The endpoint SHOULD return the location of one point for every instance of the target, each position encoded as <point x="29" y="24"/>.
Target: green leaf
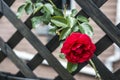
<point x="20" y="10"/>
<point x="71" y="21"/>
<point x="37" y="6"/>
<point x="82" y="18"/>
<point x="65" y="32"/>
<point x="28" y="1"/>
<point x="29" y="8"/>
<point x="74" y="12"/>
<point x="59" y="21"/>
<point x="36" y="21"/>
<point x="53" y="30"/>
<point x="46" y="18"/>
<point x="49" y="8"/>
<point x="58" y="12"/>
<point x="71" y="67"/>
<point x="62" y="56"/>
<point x="86" y="28"/>
<point x="75" y="28"/>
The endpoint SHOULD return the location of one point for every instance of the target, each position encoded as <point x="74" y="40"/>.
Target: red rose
<point x="78" y="48"/>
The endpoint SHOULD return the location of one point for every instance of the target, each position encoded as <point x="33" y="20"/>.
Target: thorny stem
<point x="97" y="74"/>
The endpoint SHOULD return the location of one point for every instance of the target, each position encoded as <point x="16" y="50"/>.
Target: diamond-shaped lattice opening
<point x="105" y="57"/>
<point x="98" y="32"/>
<point x="42" y="33"/>
<point x="25" y="49"/>
<point x="107" y="53"/>
<point x="84" y="77"/>
<point x="6" y="29"/>
<point x="109" y="9"/>
<point x="45" y="72"/>
<point x="8" y="66"/>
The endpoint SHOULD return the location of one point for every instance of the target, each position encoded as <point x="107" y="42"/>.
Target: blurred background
<point x="110" y="57"/>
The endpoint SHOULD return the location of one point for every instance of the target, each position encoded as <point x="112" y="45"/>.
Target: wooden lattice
<point x="90" y="8"/>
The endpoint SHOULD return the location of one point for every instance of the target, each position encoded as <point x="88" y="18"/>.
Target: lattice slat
<point x="9" y="3"/>
<point x="18" y="62"/>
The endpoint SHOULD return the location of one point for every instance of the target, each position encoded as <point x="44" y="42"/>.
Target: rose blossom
<point x="78" y="48"/>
